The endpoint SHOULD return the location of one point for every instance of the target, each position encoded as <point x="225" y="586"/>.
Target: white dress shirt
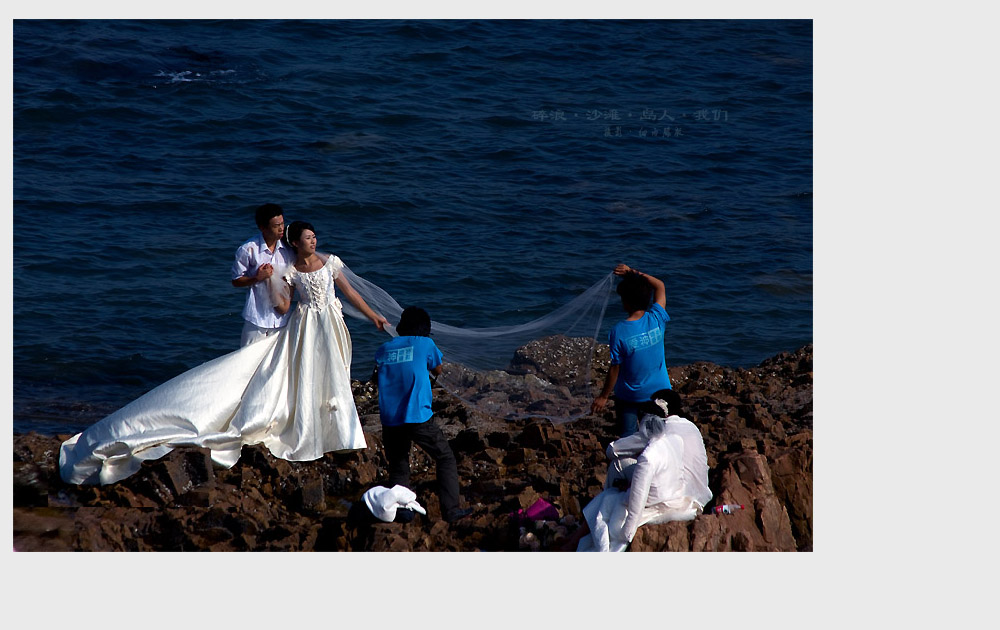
<point x="259" y="310"/>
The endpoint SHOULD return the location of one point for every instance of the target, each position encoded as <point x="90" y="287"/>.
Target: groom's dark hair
<point x="414" y="322"/>
<point x="265" y="213"/>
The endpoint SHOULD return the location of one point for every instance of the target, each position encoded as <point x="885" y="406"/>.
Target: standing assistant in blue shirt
<point x="638" y="367"/>
<point x="404" y="366"/>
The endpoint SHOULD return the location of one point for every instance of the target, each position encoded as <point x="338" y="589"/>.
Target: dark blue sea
<point x="489" y="171"/>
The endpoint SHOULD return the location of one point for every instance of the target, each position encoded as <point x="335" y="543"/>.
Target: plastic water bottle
<point x="728" y="508"/>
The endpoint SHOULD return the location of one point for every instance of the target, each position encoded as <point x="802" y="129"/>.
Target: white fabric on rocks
<point x="383" y="502"/>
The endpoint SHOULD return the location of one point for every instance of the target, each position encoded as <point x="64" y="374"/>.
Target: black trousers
<point x="428" y="436"/>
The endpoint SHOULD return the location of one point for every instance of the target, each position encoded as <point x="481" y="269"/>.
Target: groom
<point x="255" y="262"/>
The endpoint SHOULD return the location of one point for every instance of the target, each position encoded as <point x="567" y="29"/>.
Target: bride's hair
<point x="671" y="398"/>
<point x="294" y="232"/>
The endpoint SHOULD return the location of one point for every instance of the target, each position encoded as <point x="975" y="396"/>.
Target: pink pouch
<point x="540" y="510"/>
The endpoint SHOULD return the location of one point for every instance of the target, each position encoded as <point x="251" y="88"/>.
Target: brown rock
<point x="468" y="441"/>
<point x="41" y="529"/>
<point x="498" y="440"/>
<point x="673" y="536"/>
<point x="756" y="424"/>
<point x="791" y="471"/>
<point x="311" y="495"/>
<point x="527" y="497"/>
<point x="535" y="435"/>
<point x="569" y="502"/>
<point x="746" y="480"/>
<point x="183" y="468"/>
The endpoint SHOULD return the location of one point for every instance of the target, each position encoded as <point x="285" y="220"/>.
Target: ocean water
<point x="489" y="171"/>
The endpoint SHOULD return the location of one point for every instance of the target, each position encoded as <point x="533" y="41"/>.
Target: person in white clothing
<point x="656" y="475"/>
<point x="257" y="260"/>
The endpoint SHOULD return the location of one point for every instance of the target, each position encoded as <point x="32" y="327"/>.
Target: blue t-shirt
<point x="404" y="384"/>
<point x="638" y="348"/>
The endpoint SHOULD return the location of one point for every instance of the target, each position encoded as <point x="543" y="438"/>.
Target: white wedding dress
<point x="290" y="391"/>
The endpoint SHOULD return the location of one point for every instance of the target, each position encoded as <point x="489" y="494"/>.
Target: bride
<point x="290" y="391"/>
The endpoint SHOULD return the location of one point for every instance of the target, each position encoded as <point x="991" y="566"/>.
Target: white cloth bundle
<point x="383" y="502"/>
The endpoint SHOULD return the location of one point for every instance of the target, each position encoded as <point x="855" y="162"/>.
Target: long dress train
<point x="290" y="391"/>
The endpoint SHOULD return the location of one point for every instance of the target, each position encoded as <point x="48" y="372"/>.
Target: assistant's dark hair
<point x="673" y="400"/>
<point x="294" y="232"/>
<point x="414" y="322"/>
<point x="636" y="292"/>
<point x="265" y="213"/>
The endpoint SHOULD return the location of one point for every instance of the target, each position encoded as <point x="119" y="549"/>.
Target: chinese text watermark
<point x="647" y="123"/>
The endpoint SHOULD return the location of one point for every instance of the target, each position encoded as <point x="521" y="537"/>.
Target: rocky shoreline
<point x="757" y="425"/>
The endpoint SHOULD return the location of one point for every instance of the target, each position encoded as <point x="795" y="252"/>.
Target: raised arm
<point x="345" y="287"/>
<point x="659" y="290"/>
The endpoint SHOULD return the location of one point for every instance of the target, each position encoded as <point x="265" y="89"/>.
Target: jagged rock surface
<point x="757" y="425"/>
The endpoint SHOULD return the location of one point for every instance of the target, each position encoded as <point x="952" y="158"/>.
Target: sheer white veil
<point x="277" y="286"/>
<point x="539" y="369"/>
